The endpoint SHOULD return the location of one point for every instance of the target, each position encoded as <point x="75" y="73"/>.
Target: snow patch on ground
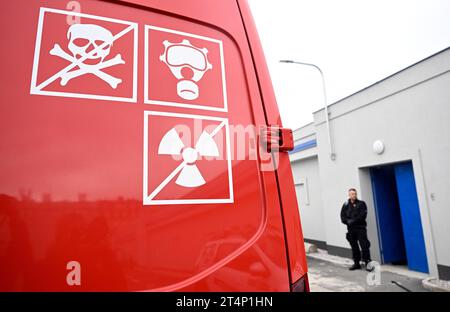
<point x="316" y="279"/>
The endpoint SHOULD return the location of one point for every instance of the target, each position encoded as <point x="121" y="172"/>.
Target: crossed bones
<point x="86" y="68"/>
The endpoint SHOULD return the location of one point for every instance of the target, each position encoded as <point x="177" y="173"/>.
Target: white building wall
<point x="307" y="186"/>
<point x="410" y="113"/>
<point x="305" y="171"/>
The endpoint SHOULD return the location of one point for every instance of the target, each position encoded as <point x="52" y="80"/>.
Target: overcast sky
<point x="354" y="42"/>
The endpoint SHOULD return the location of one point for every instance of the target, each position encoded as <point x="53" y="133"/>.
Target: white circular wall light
<point x="378" y="147"/>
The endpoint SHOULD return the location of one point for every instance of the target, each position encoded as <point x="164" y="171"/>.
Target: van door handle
<point x="278" y="139"/>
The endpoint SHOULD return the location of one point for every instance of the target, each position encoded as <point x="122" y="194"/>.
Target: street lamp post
<point x="330" y="143"/>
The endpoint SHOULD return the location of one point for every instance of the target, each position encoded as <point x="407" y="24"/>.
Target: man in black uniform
<point x="353" y="214"/>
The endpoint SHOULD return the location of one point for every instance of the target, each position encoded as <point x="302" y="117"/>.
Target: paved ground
<point x="325" y="276"/>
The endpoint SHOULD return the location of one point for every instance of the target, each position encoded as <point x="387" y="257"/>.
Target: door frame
<point x="415" y="156"/>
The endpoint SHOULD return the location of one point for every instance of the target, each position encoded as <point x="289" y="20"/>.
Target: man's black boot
<point x="355" y="266"/>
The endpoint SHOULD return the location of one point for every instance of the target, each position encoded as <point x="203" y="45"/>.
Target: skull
<point x="83" y="38"/>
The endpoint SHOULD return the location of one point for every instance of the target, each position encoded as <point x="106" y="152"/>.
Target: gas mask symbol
<point x="188" y="64"/>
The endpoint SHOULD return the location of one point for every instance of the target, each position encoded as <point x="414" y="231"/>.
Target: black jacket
<point x="354" y="214"/>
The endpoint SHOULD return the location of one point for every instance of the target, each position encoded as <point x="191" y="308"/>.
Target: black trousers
<point x="355" y="236"/>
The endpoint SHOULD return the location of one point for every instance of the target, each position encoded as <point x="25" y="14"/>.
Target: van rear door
<point x="130" y="142"/>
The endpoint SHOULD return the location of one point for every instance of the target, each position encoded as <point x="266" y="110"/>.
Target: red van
<point x="142" y="150"/>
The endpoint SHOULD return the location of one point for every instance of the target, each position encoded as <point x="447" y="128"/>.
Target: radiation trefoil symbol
<point x="189" y="174"/>
<point x="178" y="171"/>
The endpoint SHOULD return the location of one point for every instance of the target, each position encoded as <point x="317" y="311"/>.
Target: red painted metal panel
<point x="294" y="236"/>
<point x="78" y="154"/>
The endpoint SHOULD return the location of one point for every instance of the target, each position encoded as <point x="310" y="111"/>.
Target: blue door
<point x="390" y="231"/>
<point x="410" y="215"/>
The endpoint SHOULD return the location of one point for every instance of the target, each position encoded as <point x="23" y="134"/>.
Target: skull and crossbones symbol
<point x="88" y="43"/>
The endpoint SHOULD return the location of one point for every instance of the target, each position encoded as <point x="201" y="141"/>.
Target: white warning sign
<point x="184" y="70"/>
<point x="186" y="159"/>
<point x="95" y="58"/>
